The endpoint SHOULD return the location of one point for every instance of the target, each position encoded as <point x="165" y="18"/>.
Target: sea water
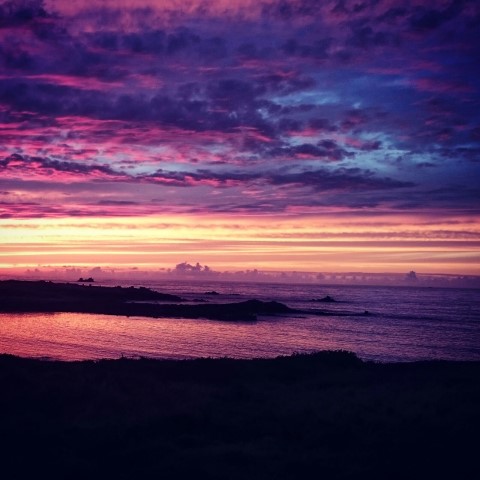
<point x="401" y="324"/>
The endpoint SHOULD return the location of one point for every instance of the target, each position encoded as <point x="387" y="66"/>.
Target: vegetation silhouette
<point x="325" y="415"/>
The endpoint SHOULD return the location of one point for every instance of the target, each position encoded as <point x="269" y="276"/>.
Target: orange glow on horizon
<point x="309" y="244"/>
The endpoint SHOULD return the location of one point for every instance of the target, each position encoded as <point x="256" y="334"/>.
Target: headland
<point x="42" y="296"/>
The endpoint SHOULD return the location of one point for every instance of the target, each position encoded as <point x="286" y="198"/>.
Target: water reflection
<point x="71" y="336"/>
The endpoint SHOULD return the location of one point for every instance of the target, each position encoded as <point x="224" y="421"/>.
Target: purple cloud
<point x="340" y="96"/>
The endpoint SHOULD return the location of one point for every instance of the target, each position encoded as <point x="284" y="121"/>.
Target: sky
<point x="301" y="135"/>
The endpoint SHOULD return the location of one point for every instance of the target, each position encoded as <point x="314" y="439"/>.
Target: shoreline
<point x="21" y="296"/>
<point x="343" y="356"/>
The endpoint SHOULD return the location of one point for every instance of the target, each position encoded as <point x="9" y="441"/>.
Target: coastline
<point x="21" y="296"/>
<point x="328" y="414"/>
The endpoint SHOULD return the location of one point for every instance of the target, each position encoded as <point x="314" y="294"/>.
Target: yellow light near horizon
<point x="309" y="243"/>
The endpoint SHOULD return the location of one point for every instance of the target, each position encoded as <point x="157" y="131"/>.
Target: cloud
<point x="317" y="179"/>
<point x="19" y="12"/>
<point x="326" y="150"/>
<point x="256" y="105"/>
<point x="19" y="166"/>
<point x="424" y="18"/>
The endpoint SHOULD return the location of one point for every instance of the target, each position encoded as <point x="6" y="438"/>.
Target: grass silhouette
<point x="324" y="415"/>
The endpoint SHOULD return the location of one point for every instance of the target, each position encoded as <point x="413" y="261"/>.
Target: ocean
<point x="402" y="324"/>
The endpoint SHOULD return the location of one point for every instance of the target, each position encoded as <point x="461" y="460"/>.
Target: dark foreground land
<point x="40" y="296"/>
<point x="326" y="415"/>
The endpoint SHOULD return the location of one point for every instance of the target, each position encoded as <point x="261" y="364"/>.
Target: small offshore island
<point x="41" y="296"/>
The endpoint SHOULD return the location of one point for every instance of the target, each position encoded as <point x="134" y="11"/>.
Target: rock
<point x="326" y="299"/>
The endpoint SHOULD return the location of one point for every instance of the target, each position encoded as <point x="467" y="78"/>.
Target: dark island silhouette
<point x="42" y="296"/>
<point x="326" y="299"/>
<point x="86" y="280"/>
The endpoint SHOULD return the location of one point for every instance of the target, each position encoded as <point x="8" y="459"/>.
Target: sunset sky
<point x="273" y="134"/>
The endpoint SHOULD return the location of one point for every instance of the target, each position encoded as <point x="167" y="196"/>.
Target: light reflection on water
<point x="73" y="336"/>
<point x="404" y="325"/>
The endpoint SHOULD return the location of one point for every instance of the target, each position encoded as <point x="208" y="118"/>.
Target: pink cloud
<point x="441" y="86"/>
<point x="82" y="83"/>
<point x="187" y="7"/>
<point x="19" y="167"/>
